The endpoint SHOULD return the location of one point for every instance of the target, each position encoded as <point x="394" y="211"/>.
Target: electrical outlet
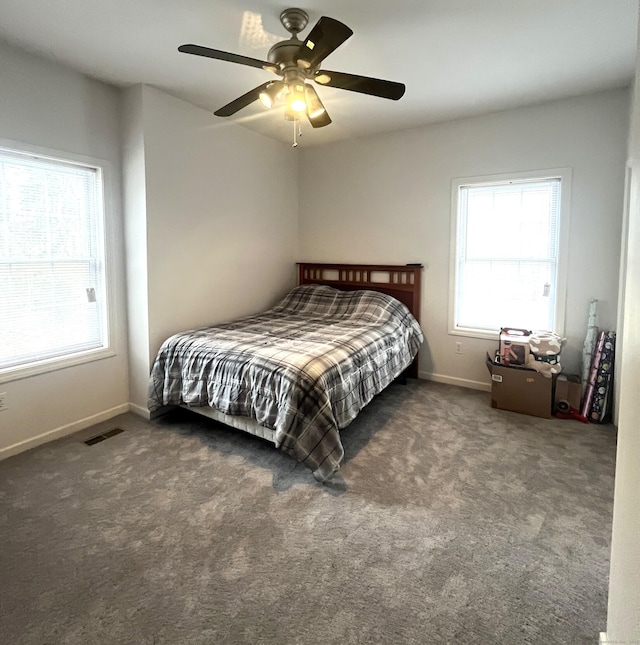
<point x="458" y="348"/>
<point x="3" y="401"/>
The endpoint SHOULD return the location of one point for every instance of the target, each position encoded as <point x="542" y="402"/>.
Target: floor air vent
<point x="103" y="436"/>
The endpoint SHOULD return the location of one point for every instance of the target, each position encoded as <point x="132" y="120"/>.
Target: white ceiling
<point x="456" y="57"/>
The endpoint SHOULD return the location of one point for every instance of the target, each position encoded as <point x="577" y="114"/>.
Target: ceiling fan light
<point x="266" y="100"/>
<point x="314" y="105"/>
<point x="270" y="94"/>
<point x="298" y="105"/>
<point x="296" y="99"/>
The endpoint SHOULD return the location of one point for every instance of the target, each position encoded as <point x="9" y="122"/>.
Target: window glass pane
<point x="52" y="280"/>
<point x="497" y="294"/>
<point x="507" y="247"/>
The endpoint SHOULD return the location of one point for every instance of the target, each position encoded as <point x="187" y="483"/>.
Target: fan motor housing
<point x="284" y="52"/>
<point x="294" y="20"/>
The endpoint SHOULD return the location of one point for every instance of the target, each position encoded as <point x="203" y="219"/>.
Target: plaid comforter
<point x="304" y="368"/>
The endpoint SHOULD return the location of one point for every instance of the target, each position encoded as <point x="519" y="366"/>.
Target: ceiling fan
<point x="296" y="62"/>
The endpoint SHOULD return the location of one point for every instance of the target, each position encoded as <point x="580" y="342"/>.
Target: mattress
<point x="303" y="369"/>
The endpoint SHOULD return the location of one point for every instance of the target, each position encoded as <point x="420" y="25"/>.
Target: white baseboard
<point x="140" y="411"/>
<point x="605" y="640"/>
<point x="63" y="431"/>
<point x="453" y="380"/>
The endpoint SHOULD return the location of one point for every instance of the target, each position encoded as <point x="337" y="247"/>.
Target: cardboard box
<point x="514" y="346"/>
<point x="568" y="391"/>
<point x="519" y="389"/>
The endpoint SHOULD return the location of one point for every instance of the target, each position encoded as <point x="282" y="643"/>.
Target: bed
<point x="300" y="372"/>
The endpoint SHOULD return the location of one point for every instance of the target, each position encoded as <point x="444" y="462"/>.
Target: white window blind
<point x="52" y="270"/>
<point x="508" y="240"/>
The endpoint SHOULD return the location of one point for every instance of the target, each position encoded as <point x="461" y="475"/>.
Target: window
<point x="52" y="263"/>
<point x="509" y="253"/>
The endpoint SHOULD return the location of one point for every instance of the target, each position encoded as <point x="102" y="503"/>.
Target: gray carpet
<point x="450" y="522"/>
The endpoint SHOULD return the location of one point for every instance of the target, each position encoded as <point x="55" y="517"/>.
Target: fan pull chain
<point x="297" y="132"/>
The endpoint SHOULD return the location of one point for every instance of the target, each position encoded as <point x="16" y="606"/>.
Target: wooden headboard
<point x="400" y="281"/>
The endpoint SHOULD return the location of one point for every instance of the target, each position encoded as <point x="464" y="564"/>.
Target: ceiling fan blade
<point x="316" y="112"/>
<point x="241" y="101"/>
<point x="363" y="84"/>
<point x="198" y="50"/>
<point x="326" y="36"/>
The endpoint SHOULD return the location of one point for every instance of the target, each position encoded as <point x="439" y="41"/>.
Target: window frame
<point x="564" y="175"/>
<point x="105" y="173"/>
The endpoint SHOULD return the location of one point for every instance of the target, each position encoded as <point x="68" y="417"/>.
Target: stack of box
<point x="518" y="388"/>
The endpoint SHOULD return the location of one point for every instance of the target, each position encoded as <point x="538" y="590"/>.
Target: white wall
<point x="44" y="104"/>
<point x="387" y="199"/>
<point x="220" y="221"/>
<point x="623" y="619"/>
<point x="135" y="228"/>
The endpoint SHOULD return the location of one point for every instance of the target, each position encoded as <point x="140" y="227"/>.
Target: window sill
<point x="476" y="333"/>
<point x="54" y="364"/>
